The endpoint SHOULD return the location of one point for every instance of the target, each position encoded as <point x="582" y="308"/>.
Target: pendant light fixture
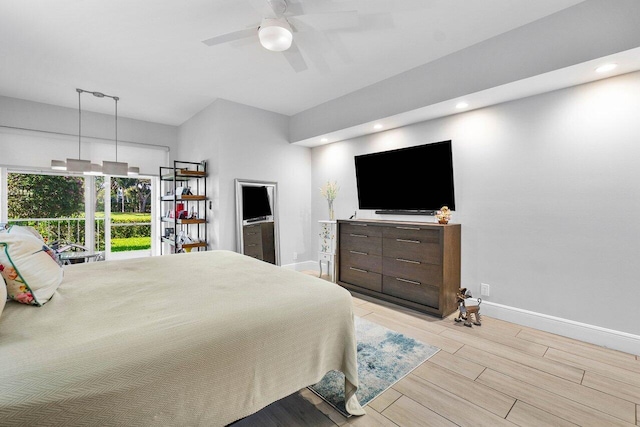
<point x="85" y="166"/>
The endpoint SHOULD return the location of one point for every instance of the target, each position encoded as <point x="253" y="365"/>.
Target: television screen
<point x="255" y="202"/>
<point x="409" y="179"/>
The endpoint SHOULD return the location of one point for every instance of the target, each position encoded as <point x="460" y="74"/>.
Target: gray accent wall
<point x="547" y="192"/>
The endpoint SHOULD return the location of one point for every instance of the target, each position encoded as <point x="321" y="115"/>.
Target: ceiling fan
<point x="282" y="18"/>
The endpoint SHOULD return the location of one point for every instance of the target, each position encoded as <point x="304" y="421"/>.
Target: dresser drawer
<point x="416" y="271"/>
<point x="252" y="236"/>
<point x="409" y="232"/>
<point x="402" y="288"/>
<point x="362" y="260"/>
<point x="361" y="277"/>
<point x="414" y="250"/>
<point x="253" y="250"/>
<point x="361" y="243"/>
<point x="361" y="229"/>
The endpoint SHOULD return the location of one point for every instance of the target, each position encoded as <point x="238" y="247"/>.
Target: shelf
<point x="185" y="245"/>
<point x="185" y="198"/>
<point x="184" y="221"/>
<point x="183" y="175"/>
<point x="191" y="173"/>
<point x="174" y="180"/>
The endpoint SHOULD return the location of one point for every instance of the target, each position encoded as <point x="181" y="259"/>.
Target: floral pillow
<point x="28" y="267"/>
<point x="3" y="295"/>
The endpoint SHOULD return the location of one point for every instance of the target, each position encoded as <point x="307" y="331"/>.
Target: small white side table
<point x="327" y="248"/>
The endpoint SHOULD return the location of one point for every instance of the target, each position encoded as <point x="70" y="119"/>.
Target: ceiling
<point x="149" y="52"/>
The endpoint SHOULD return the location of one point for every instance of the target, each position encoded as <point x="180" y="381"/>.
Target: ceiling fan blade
<point x="328" y="21"/>
<point x="294" y="8"/>
<point x="236" y="35"/>
<point x="339" y="47"/>
<point x="295" y="58"/>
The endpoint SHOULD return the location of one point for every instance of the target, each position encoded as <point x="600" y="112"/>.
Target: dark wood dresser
<point x="259" y="241"/>
<point x="414" y="264"/>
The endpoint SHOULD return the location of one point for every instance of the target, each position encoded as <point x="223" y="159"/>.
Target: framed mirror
<point x="257" y="220"/>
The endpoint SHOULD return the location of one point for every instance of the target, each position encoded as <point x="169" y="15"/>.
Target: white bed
<point x="198" y="339"/>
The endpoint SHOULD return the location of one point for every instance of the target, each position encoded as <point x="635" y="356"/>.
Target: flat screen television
<point x="255" y="203"/>
<point x="418" y="180"/>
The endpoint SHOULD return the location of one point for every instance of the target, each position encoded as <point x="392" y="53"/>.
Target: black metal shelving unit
<point x="183" y="174"/>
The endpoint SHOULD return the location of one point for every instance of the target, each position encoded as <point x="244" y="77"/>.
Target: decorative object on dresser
<point x="330" y="191"/>
<point x="257" y="220"/>
<point x="414" y="264"/>
<point x="327" y="250"/>
<point x="185" y="189"/>
<point x="443" y="215"/>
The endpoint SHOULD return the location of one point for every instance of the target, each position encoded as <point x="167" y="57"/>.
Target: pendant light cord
<point x="116" y="99"/>
<point x="79" y="123"/>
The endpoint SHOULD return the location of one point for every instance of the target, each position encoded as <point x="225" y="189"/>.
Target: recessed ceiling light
<point x="462" y="105"/>
<point x="606" y="67"/>
<point x="324" y="140"/>
<point x="377" y="126"/>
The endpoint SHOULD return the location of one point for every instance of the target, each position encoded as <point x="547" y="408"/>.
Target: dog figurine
<point x="465" y="311"/>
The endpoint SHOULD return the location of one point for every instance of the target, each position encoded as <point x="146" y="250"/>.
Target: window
<point x="101" y="213"/>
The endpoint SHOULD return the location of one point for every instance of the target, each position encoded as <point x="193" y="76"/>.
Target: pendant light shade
<point x="58" y="165"/>
<point x="115" y="168"/>
<point x="77" y="165"/>
<point x="275" y="34"/>
<point x="85" y="166"/>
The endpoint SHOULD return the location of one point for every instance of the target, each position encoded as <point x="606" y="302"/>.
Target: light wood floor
<point x="497" y="374"/>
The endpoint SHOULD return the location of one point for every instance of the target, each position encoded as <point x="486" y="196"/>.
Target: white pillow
<point x="3" y="295"/>
<point x="25" y="229"/>
<point x="28" y="267"/>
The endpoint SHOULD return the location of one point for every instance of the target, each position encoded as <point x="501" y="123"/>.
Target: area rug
<point x="384" y="358"/>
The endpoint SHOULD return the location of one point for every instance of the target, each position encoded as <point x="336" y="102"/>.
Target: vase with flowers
<point x="329" y="191"/>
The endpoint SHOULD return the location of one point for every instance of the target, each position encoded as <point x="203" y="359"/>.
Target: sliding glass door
<point x="101" y="214"/>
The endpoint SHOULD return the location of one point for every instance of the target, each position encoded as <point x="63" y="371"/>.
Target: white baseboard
<point x="302" y="266"/>
<point x="609" y="338"/>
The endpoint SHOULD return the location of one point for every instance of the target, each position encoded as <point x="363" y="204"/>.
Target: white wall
<point x="548" y="195"/>
<point x="239" y="141"/>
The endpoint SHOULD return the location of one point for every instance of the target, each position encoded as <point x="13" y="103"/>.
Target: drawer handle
<point x="408" y="281"/>
<point x="408" y="228"/>
<point x="407" y="260"/>
<point x="251" y="234"/>
<point x="251" y="245"/>
<point x="358" y="235"/>
<point x="359" y="253"/>
<point x="358" y="269"/>
<point x="358" y="225"/>
<point x="406" y="241"/>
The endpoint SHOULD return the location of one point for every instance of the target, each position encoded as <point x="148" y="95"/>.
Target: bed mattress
<point x="199" y="339"/>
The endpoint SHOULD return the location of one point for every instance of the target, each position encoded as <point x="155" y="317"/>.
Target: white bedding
<point x="199" y="339"/>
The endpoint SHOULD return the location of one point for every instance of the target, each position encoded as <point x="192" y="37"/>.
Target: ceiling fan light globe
<point x="275" y="35"/>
